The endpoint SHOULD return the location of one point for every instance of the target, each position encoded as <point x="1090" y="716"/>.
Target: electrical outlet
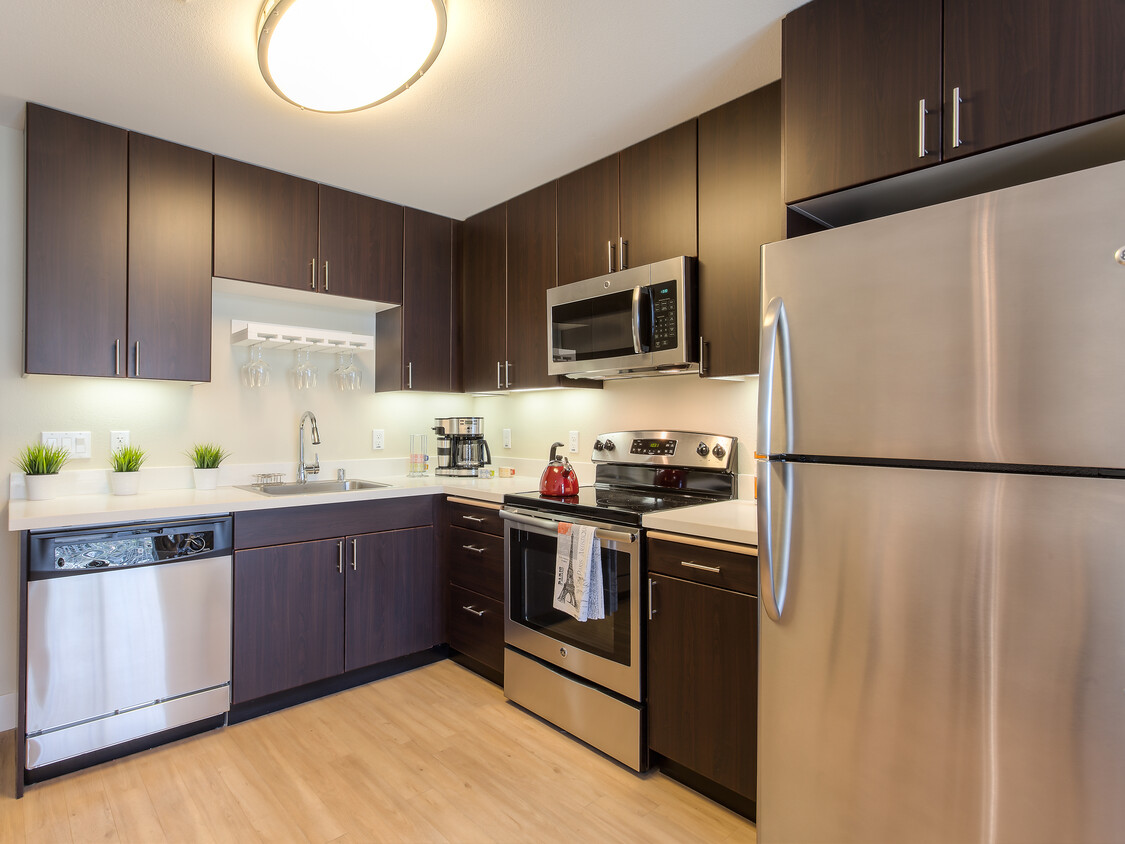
<point x="507" y="438"/>
<point x="118" y="439"/>
<point x="573" y="442"/>
<point x="77" y="443"/>
<point x="377" y="438"/>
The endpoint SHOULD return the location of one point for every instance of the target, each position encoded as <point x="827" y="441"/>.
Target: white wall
<point x="261" y="427"/>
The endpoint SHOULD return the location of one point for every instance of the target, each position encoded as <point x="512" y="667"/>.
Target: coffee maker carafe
<point x="461" y="447"/>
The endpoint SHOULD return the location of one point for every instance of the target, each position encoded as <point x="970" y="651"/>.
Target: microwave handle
<point x="637" y="320"/>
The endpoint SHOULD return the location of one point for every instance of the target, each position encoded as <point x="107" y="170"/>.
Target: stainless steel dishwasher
<point x="128" y="635"/>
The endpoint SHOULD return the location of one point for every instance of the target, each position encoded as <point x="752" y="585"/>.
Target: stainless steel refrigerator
<point x="941" y="523"/>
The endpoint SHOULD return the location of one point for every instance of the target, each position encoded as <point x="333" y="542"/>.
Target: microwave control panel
<point x="665" y="316"/>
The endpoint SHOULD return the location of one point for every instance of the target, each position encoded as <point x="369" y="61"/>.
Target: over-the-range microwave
<point x="634" y="322"/>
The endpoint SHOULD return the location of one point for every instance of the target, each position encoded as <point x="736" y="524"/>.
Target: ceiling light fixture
<point x="347" y="55"/>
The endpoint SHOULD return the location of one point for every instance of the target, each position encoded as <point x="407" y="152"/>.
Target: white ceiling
<point x="523" y="90"/>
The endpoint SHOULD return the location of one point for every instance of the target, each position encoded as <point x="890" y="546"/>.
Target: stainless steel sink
<point x="312" y="487"/>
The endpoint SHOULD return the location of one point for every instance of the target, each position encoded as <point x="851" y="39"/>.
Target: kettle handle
<point x="555" y="447"/>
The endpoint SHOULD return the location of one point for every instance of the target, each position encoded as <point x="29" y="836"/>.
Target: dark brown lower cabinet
<point x="703" y="671"/>
<point x="288" y="617"/>
<point x="474" y="553"/>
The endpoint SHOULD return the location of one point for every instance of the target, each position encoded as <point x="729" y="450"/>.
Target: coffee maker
<point x="461" y="447"/>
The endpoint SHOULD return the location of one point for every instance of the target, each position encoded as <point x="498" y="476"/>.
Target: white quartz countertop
<point x="83" y="510"/>
<point x="726" y="521"/>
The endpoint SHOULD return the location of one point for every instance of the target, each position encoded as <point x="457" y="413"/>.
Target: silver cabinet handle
<point x="507" y="374"/>
<point x="472" y="518"/>
<point x="409" y="376"/>
<point x="117" y="356"/>
<point x="609" y="248"/>
<point x="498" y="385"/>
<point x="651" y="608"/>
<point x="956" y="117"/>
<point x="340" y="556"/>
<point x="922" y="151"/>
<point x="701" y="567"/>
<point x="312" y="274"/>
<point x="474" y="549"/>
<point x="623" y="254"/>
<point x="136" y="357"/>
<point x="355" y="554"/>
<point x="325" y="275"/>
<point x="702" y="347"/>
<point x="477" y="613"/>
<point x="775" y="331"/>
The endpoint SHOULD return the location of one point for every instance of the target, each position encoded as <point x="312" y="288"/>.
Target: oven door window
<point x="533" y="582"/>
<point x="598" y="328"/>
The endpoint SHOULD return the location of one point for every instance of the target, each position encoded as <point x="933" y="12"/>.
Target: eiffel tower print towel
<point x="578" y="573"/>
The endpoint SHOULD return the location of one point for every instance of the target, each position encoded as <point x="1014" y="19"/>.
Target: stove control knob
<point x="608" y="445"/>
<point x="701" y="449"/>
<point x="598" y="445"/>
<point x="719" y="451"/>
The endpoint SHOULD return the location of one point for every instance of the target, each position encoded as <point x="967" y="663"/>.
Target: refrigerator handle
<point x="775" y="331"/>
<point x="773" y="571"/>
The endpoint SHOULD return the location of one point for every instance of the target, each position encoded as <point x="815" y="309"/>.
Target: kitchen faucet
<point x="303" y="469"/>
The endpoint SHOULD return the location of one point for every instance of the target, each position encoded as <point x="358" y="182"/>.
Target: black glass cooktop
<point x="609" y="504"/>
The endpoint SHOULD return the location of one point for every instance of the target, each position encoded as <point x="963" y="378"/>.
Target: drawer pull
<point x="477" y="613"/>
<point x="701" y="567"/>
<point x="474" y="549"/>
<point x="472" y="519"/>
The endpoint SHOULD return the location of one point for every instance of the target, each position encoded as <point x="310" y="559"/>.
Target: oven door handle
<point x="615" y="536"/>
<point x="553" y="526"/>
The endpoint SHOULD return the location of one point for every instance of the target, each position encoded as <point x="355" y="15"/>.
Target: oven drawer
<point x="697" y="561"/>
<point x="476" y="562"/>
<point x="476" y="626"/>
<point x="480" y="517"/>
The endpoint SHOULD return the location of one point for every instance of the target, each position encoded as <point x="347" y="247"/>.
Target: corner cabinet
<point x="118" y="252"/>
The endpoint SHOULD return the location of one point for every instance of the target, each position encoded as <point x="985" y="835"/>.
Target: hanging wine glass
<point x="304" y="373"/>
<point x="255" y="372"/>
<point x="346" y="375"/>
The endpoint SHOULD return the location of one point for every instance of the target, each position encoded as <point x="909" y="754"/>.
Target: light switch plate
<point x="376" y="438"/>
<point x="118" y="439"/>
<point x="573" y="442"/>
<point x="77" y="443"/>
<point x="507" y="438"/>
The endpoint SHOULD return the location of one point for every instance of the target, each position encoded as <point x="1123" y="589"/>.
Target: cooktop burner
<point x="608" y="504"/>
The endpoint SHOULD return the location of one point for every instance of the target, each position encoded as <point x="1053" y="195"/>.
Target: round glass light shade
<point x="347" y="55"/>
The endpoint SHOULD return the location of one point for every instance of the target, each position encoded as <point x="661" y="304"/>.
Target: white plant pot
<point x="124" y="483"/>
<point x="41" y="487"/>
<point x="206" y="478"/>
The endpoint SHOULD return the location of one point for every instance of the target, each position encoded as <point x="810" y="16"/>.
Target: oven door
<point x="604" y="651"/>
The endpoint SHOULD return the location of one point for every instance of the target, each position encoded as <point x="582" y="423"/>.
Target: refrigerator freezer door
<point x="948" y="665"/>
<point x="989" y="329"/>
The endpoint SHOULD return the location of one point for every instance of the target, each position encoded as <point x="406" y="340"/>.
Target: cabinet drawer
<point x="736" y="571"/>
<point x="476" y="626"/>
<point x="475" y="516"/>
<point x="476" y="562"/>
<point x="255" y="528"/>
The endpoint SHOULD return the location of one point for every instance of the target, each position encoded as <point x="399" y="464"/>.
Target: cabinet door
<point x="1027" y="67"/>
<point x="531" y="272"/>
<point x="77" y="218"/>
<point x="855" y="71"/>
<point x="740" y="208"/>
<point x="392" y="602"/>
<point x="483" y="298"/>
<point x="288" y="617"/>
<point x="360" y="246"/>
<point x="427" y="303"/>
<point x="265" y="226"/>
<point x="658" y="197"/>
<point x="703" y="680"/>
<point x="588" y="220"/>
<point x="169" y="260"/>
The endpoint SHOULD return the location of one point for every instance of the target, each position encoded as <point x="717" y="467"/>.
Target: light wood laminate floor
<point x="435" y="754"/>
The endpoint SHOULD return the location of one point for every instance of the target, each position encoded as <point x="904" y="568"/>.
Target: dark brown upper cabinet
<point x="265" y="226"/>
<point x="1024" y="68"/>
<point x="629" y="209"/>
<point x="858" y="77"/>
<point x="530" y="274"/>
<point x="415" y="343"/>
<point x="118" y="252"/>
<point x="740" y="208"/>
<point x="361" y="246"/>
<point x="876" y="88"/>
<point x="484" y="301"/>
<point x="273" y="228"/>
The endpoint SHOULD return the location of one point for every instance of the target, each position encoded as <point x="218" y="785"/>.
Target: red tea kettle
<point x="559" y="478"/>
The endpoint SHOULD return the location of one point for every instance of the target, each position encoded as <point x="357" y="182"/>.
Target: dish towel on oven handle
<point x="578" y="573"/>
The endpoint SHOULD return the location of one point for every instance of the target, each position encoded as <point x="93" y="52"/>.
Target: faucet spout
<point x="306" y="469"/>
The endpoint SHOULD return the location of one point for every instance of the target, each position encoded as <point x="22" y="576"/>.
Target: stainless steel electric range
<point x="586" y="676"/>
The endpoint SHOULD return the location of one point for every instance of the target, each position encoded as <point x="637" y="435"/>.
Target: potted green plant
<point x="125" y="479"/>
<point x="40" y="464"/>
<point x="206" y="458"/>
